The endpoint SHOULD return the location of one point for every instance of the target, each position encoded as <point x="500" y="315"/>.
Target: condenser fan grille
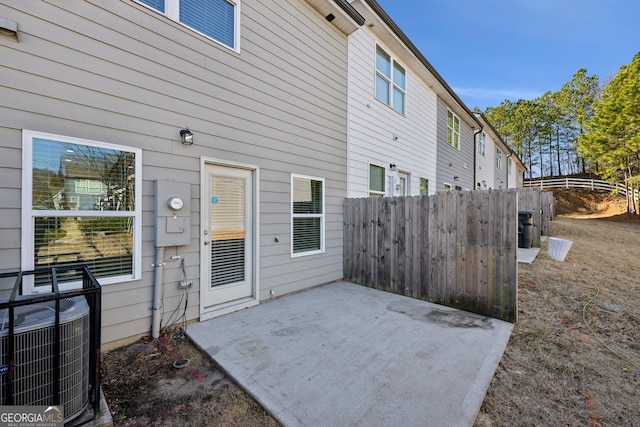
<point x="34" y="342"/>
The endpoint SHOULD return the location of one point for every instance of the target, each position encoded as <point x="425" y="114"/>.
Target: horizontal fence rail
<point x="592" y="184"/>
<point x="457" y="249"/>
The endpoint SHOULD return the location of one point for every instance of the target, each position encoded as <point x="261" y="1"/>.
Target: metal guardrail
<point x="91" y="291"/>
<point x="592" y="184"/>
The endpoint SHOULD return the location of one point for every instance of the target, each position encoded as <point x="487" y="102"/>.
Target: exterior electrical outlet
<point x="173" y="213"/>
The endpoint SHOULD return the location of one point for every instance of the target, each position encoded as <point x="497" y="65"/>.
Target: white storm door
<point x="228" y="235"/>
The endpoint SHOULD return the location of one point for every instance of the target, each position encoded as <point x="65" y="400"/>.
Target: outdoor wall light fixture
<point x="393" y="167"/>
<point x="187" y="136"/>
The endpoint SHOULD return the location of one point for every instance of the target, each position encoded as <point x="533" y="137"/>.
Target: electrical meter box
<point x="173" y="213"/>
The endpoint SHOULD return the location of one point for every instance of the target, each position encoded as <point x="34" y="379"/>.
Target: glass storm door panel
<point x="228" y="240"/>
<point x="402" y="181"/>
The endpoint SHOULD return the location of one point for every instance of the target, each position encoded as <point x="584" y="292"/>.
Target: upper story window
<point x="509" y="166"/>
<point x="376" y="181"/>
<point x="391" y="81"/>
<point x="217" y="19"/>
<point x="307" y="211"/>
<point x="453" y="130"/>
<point x="82" y="205"/>
<point x="498" y="159"/>
<point x="482" y="143"/>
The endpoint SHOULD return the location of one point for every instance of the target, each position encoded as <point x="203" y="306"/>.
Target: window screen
<point x="214" y="18"/>
<point x="308" y="215"/>
<point x="376" y="181"/>
<point x="83" y="208"/>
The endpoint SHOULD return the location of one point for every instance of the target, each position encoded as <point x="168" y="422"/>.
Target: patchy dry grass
<point x="555" y="370"/>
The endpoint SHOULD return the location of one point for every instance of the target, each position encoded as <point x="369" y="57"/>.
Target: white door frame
<point x="208" y="312"/>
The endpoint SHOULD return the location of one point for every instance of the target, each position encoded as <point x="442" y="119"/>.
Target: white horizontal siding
<point x="485" y="165"/>
<point x="372" y="124"/>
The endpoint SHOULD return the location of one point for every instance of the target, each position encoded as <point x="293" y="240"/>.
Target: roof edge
<point x="351" y="11"/>
<point x="373" y="4"/>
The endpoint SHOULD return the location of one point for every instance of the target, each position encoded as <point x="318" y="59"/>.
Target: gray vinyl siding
<point x="120" y="73"/>
<point x="501" y="176"/>
<point x="461" y="160"/>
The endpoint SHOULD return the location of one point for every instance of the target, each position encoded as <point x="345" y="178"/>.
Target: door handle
<point x="206" y="242"/>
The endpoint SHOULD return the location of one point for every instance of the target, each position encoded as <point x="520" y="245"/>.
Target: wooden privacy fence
<point x="457" y="249"/>
<point x="542" y="205"/>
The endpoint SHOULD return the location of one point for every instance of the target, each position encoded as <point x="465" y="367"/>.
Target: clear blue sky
<point x="491" y="50"/>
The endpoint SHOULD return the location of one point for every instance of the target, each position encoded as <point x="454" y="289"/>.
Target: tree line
<point x="585" y="127"/>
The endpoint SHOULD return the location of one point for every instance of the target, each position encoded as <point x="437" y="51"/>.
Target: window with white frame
<point x="498" y="159"/>
<point x="391" y="81"/>
<point x="453" y="130"/>
<point x="81" y="204"/>
<point x="509" y="165"/>
<point x="482" y="143"/>
<point x="424" y="187"/>
<point x="307" y="212"/>
<point x="376" y="181"/>
<point x="216" y="19"/>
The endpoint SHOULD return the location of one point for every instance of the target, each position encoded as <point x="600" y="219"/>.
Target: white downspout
<point x="157" y="293"/>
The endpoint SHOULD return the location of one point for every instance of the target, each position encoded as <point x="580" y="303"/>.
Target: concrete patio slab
<point x="347" y="355"/>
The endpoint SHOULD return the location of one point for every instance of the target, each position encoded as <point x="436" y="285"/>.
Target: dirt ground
<point x="573" y="358"/>
<point x="143" y="388"/>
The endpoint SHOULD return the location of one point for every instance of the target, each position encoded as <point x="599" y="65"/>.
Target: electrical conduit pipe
<point x="157" y="293"/>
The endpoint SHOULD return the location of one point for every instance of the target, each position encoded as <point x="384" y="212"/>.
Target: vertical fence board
<point x="461" y="264"/>
<point x="412" y="272"/>
<point x="471" y="276"/>
<point x="399" y="242"/>
<point x="372" y="234"/>
<point x="510" y="284"/>
<point x="425" y="254"/>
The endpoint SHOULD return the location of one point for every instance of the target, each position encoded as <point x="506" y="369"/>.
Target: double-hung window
<point x="81" y="205"/>
<point x="307" y="212"/>
<point x="453" y="130"/>
<point x="391" y="81"/>
<point x="376" y="181"/>
<point x="424" y="187"/>
<point x="498" y="159"/>
<point x="216" y="19"/>
<point x="482" y="143"/>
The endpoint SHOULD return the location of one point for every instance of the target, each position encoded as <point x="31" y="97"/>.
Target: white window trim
<point x="452" y="130"/>
<point x="321" y="216"/>
<point x="392" y="84"/>
<point x="482" y="144"/>
<point x="382" y="193"/>
<point x="27" y="248"/>
<point x="172" y="11"/>
<point x="498" y="159"/>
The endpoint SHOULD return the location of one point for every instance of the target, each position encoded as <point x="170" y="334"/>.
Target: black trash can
<point x="525" y="229"/>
